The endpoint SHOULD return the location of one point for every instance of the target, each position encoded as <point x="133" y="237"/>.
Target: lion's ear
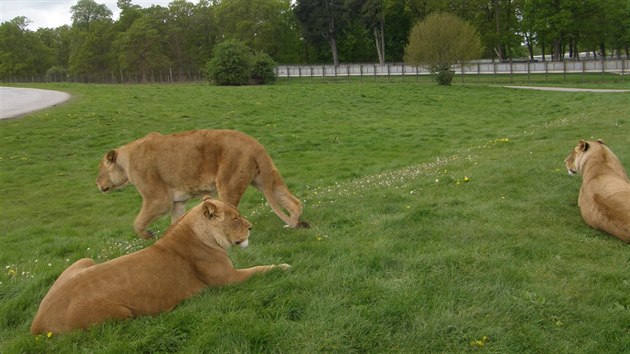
<point x="600" y="141"/>
<point x="583" y="145"/>
<point x="209" y="209"/>
<point x="111" y="156"/>
<point x="206" y="197"/>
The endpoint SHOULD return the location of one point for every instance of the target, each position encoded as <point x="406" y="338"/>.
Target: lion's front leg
<point x="213" y="274"/>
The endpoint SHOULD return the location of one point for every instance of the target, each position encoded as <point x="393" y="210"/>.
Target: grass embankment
<point x="443" y="219"/>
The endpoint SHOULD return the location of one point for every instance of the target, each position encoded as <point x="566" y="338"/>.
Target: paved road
<point x="565" y="89"/>
<point x="15" y="102"/>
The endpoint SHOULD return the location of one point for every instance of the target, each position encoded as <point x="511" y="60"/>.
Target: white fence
<point x="621" y="66"/>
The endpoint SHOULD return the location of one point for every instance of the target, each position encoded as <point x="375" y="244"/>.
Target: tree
<point x="263" y="25"/>
<point x="372" y="15"/>
<point x="22" y="52"/>
<point x="321" y="19"/>
<point x="439" y="42"/>
<point x="140" y="49"/>
<point x="85" y="12"/>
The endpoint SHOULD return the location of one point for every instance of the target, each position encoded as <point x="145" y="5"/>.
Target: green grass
<point x="403" y="256"/>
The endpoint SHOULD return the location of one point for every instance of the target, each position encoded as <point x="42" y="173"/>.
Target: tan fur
<point x="190" y="257"/>
<point x="170" y="169"/>
<point x="604" y="198"/>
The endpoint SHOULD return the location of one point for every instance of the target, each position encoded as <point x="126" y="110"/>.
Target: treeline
<point x="174" y="43"/>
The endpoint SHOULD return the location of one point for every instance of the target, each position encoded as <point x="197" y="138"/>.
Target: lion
<point x="168" y="170"/>
<point x="190" y="257"/>
<point x="604" y="198"/>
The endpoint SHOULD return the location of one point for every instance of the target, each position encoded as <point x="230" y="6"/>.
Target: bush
<point x="231" y="63"/>
<point x="264" y="69"/>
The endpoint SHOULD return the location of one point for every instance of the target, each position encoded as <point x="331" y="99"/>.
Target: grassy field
<point x="443" y="219"/>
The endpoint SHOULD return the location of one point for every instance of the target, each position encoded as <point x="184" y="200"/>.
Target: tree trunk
<point x="530" y="48"/>
<point x="379" y="39"/>
<point x="499" y="48"/>
<point x="557" y="49"/>
<point x="332" y="40"/>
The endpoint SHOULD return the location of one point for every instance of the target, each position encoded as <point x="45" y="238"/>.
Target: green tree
<point x="180" y="33"/>
<point x="85" y="12"/>
<point x="372" y="17"/>
<point x="22" y="53"/>
<point x="322" y="20"/>
<point x="263" y="25"/>
<point x="441" y="41"/>
<point x="140" y="49"/>
<point x="91" y="57"/>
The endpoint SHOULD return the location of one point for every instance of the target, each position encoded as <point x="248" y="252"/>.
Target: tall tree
<point x="264" y="25"/>
<point x="140" y="49"/>
<point x="322" y="19"/>
<point x="85" y="12"/>
<point x="373" y="16"/>
<point x="22" y="52"/>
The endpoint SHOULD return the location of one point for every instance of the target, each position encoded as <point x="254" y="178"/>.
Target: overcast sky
<point x="55" y="13"/>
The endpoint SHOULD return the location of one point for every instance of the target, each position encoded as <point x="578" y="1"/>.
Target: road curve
<point x="15" y="102"/>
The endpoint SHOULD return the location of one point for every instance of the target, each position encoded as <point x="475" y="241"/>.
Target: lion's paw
<point x="283" y="266"/>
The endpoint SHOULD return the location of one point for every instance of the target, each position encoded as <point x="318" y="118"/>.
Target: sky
<point x="55" y="13"/>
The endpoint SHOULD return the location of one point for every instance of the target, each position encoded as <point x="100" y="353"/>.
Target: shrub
<point x="231" y="63"/>
<point x="264" y="69"/>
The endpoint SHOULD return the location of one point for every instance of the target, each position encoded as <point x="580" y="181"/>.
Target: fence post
<point x="528" y="70"/>
<point x="564" y="70"/>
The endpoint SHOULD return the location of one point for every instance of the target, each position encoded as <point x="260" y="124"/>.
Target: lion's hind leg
<point x="73" y="269"/>
<point x="150" y="211"/>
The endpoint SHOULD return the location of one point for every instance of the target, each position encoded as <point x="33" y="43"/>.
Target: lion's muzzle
<point x="243" y="243"/>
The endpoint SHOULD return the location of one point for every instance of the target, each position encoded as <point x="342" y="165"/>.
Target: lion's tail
<point x="270" y="183"/>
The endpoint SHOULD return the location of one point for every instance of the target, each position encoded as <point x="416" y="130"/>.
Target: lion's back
<point x="193" y="157"/>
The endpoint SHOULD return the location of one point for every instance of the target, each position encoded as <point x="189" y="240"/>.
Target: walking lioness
<point x="170" y="169"/>
<point x="604" y="198"/>
<point x="190" y="257"/>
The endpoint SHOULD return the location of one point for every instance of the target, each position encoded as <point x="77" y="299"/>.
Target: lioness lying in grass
<point x="190" y="257"/>
<point x="604" y="198"/>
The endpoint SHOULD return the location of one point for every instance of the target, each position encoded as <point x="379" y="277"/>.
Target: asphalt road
<point x="15" y="102"/>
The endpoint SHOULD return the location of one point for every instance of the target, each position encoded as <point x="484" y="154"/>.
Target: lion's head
<point x="217" y="222"/>
<point x="572" y="161"/>
<point x="110" y="174"/>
